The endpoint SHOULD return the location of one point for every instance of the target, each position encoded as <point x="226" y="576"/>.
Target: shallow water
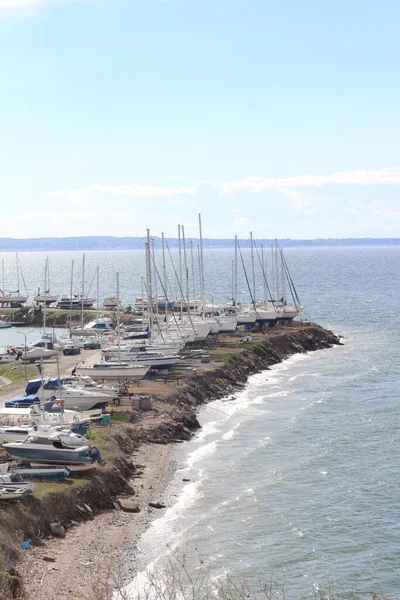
<point x="297" y="478"/>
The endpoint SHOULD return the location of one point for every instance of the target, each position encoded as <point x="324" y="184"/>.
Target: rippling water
<point x="298" y="478"/>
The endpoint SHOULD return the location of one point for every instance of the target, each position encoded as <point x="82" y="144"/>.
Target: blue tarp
<point x="34" y="385"/>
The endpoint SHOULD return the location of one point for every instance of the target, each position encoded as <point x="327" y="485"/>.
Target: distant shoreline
<point x="92" y="243"/>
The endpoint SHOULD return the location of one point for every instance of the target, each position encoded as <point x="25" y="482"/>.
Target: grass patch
<point x="44" y="488"/>
<point x="222" y="357"/>
<point x="120" y="417"/>
<point x="17" y="373"/>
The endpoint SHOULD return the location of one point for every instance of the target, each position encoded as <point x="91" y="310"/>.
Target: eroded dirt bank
<point x="75" y="528"/>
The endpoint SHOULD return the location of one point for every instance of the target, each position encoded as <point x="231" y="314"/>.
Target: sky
<point x="277" y="117"/>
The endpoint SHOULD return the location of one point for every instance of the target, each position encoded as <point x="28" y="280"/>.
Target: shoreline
<point x="87" y="547"/>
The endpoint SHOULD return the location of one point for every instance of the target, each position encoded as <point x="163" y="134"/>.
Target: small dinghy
<point x="14" y="492"/>
<point x="43" y="472"/>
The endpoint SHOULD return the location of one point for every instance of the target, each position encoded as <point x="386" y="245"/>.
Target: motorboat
<point x="75" y="302"/>
<point x="37" y="354"/>
<point x="43" y="472"/>
<point x="53" y="447"/>
<point x="42" y="349"/>
<point x="99" y="325"/>
<point x="5" y="324"/>
<point x="8" y="357"/>
<point x="115" y="370"/>
<point x="77" y="398"/>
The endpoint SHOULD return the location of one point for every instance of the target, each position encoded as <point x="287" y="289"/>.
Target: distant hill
<point x="132" y="243"/>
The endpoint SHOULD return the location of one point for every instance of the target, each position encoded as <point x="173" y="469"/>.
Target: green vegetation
<point x="223" y="357"/>
<point x="16" y="373"/>
<point x="44" y="488"/>
<point x="121" y="417"/>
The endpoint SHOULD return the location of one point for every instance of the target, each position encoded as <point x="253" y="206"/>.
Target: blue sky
<point x="279" y="117"/>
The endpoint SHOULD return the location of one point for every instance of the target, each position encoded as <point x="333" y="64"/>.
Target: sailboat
<point x="12" y="299"/>
<point x="115" y="369"/>
<point x="46" y="297"/>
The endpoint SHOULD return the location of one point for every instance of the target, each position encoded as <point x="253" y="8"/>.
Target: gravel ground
<point x="93" y="552"/>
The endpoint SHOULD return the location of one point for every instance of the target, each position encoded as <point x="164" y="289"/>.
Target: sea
<point x="295" y="478"/>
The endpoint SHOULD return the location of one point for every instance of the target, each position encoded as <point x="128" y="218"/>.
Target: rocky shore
<point x="75" y="530"/>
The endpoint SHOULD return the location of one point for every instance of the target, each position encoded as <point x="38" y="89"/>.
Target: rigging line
<point x="23" y="278"/>
<point x="158" y="324"/>
<point x="180" y="287"/>
<point x="262" y="270"/>
<point x="92" y="282"/>
<point x="291" y="282"/>
<point x="247" y="279"/>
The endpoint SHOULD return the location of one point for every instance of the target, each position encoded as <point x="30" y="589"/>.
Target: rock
<point x="131" y="506"/>
<point x="48" y="558"/>
<point x="185" y="479"/>
<point x="117" y="505"/>
<point x="157" y="505"/>
<point x="88" y="509"/>
<point x="57" y="529"/>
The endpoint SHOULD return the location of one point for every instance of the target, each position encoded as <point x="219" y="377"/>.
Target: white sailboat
<point x="46" y="298"/>
<point x="115" y="369"/>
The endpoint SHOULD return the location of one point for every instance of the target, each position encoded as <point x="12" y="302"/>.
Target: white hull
<point x="38" y="353"/>
<point x="47" y="298"/>
<point x="227" y="324"/>
<point x="246" y="318"/>
<point x="6" y="359"/>
<point x="5" y="325"/>
<point x="289" y="312"/>
<point x="133" y="373"/>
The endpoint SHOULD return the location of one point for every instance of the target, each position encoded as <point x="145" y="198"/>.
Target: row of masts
<point x="189" y="279"/>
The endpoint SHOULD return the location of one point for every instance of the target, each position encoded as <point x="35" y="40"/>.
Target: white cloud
<point x="286" y="185"/>
<point x="389" y="176"/>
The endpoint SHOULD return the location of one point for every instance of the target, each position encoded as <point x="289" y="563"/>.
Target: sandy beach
<point x="99" y="554"/>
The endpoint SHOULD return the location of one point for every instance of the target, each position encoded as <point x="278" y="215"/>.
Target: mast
<point x="276" y="270"/>
<point x="164" y="274"/>
<point x="201" y="264"/>
<point x="16" y="255"/>
<point x="118" y="328"/>
<point x="193" y="281"/>
<point x="3" y="273"/>
<point x="149" y="286"/>
<point x="252" y="266"/>
<point x="97" y="290"/>
<point x="273" y="274"/>
<point x="235" y="286"/>
<point x="233" y="279"/>
<point x="83" y="289"/>
<point x="71" y="292"/>
<point x="283" y="276"/>
<point x="264" y="273"/>
<point x="155" y="277"/>
<point x="185" y="264"/>
<point x="45" y="288"/>
<point x="180" y="269"/>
